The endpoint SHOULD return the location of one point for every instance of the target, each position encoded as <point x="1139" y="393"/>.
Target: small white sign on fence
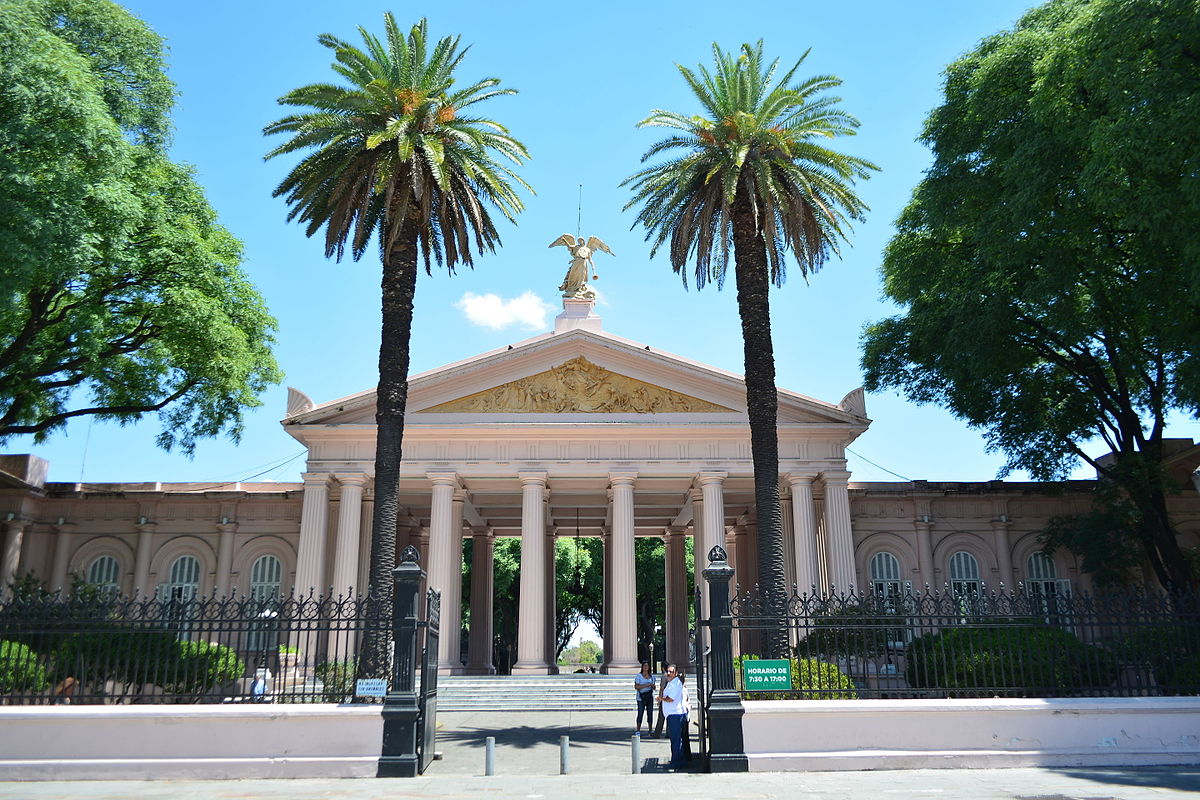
<point x="370" y="687"/>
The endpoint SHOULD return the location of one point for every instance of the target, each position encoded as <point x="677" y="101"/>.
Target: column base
<point x="451" y="669"/>
<point x="622" y="668"/>
<point x="531" y="669"/>
<point x="480" y="669"/>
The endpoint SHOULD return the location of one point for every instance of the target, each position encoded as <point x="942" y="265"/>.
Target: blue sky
<point x="586" y="75"/>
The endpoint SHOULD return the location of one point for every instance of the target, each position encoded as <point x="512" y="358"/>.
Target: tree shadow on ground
<point x="1176" y="778"/>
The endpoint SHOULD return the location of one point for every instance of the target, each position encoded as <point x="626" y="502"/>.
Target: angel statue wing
<point x="566" y="240"/>
<point x="595" y="244"/>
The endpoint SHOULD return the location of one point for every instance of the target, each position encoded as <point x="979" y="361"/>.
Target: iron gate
<point x="702" y="650"/>
<point x="427" y="699"/>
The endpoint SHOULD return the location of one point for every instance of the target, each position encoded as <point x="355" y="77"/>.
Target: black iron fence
<point x="100" y="649"/>
<point x="976" y="643"/>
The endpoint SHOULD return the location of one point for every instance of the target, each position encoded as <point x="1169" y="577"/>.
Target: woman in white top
<point x="643" y="684"/>
<point x="675" y="708"/>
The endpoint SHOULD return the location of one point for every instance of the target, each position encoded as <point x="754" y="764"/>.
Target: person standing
<point x="643" y="684"/>
<point x="675" y="706"/>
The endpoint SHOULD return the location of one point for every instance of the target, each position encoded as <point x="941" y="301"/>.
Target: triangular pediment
<point x="576" y="376"/>
<point x="577" y="386"/>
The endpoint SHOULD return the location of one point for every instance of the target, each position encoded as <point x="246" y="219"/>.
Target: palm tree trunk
<point x="762" y="403"/>
<point x="399" y="285"/>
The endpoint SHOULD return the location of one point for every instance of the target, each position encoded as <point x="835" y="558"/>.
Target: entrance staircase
<point x="573" y="692"/>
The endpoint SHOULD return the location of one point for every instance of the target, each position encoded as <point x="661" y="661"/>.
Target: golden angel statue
<point x="575" y="284"/>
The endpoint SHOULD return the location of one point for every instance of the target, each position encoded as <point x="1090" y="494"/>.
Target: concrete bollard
<point x="564" y="757"/>
<point x="489" y="755"/>
<point x="637" y="753"/>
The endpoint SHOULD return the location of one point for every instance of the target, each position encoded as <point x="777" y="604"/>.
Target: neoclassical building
<point x="574" y="430"/>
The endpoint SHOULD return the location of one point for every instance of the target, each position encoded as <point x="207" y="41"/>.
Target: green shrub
<point x="1184" y="677"/>
<point x="338" y="679"/>
<point x="1162" y="646"/>
<point x="203" y="666"/>
<point x="811" y="680"/>
<point x="862" y="630"/>
<point x="20" y="670"/>
<point x="1016" y="657"/>
<point x="127" y="655"/>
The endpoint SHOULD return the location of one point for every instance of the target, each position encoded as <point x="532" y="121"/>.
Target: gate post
<point x="727" y="752"/>
<point x="401" y="712"/>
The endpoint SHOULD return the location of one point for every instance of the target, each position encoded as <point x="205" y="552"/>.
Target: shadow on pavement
<point x="1185" y="779"/>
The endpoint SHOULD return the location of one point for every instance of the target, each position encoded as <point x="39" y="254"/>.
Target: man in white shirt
<point x="675" y="708"/>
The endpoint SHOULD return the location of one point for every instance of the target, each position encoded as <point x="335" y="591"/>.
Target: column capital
<point x="483" y="531"/>
<point x="622" y="477"/>
<point x="315" y="479"/>
<point x="352" y="478"/>
<point x="444" y="477"/>
<point x="801" y="478"/>
<point x="714" y="477"/>
<point x="675" y="530"/>
<point x="533" y="478"/>
<point x="835" y="476"/>
<point x="227" y="527"/>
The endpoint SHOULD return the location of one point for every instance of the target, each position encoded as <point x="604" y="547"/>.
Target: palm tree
<point x="397" y="153"/>
<point x="752" y="173"/>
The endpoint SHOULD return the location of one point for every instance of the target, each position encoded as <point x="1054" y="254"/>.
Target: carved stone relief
<point x="573" y="387"/>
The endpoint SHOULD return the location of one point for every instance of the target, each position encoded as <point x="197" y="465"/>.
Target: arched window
<point x="1042" y="577"/>
<point x="885" y="574"/>
<point x="1039" y="567"/>
<point x="266" y="578"/>
<point x="184" y="580"/>
<point x="964" y="574"/>
<point x="105" y="575"/>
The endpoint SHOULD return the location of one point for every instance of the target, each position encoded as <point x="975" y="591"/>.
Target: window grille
<point x="105" y="574"/>
<point x="885" y="574"/>
<point x="266" y="578"/>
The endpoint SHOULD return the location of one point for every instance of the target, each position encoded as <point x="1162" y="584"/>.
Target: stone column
<point x="479" y="645"/>
<point x="10" y="558"/>
<point x="837" y="525"/>
<point x="788" y="531"/>
<point x="224" y="581"/>
<point x="923" y="525"/>
<point x="531" y="638"/>
<point x="349" y="533"/>
<point x="712" y="487"/>
<point x="675" y="583"/>
<point x="445" y="564"/>
<point x="804" y="531"/>
<point x="365" y="521"/>
<point x="697" y="498"/>
<point x="1003" y="550"/>
<point x="710" y="518"/>
<point x="551" y="600"/>
<point x="623" y="602"/>
<point x="314" y="521"/>
<point x="141" y="564"/>
<point x="62" y="558"/>
<point x="606" y="550"/>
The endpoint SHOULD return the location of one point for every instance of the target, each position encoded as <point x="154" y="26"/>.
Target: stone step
<point x="536" y="692"/>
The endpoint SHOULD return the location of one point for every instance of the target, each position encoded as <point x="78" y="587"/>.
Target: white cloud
<point x="492" y="311"/>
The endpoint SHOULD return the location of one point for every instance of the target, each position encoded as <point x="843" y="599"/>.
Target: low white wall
<point x="198" y="741"/>
<point x="909" y="734"/>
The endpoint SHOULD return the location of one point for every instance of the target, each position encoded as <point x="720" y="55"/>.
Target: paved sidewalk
<point x="1001" y="784"/>
<point x="527" y="762"/>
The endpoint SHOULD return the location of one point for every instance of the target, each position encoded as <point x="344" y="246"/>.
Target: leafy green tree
<point x="752" y="172"/>
<point x="397" y="154"/>
<point x="122" y="294"/>
<point x="1047" y="264"/>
